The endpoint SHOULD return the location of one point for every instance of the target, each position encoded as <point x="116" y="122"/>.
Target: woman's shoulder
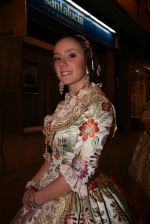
<point x="103" y="99"/>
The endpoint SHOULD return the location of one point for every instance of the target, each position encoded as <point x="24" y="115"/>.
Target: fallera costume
<point x="138" y="183"/>
<point x="77" y="133"/>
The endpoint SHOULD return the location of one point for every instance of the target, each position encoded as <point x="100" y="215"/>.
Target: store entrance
<point x="139" y="93"/>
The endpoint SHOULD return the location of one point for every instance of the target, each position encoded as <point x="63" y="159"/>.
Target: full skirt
<point x="104" y="203"/>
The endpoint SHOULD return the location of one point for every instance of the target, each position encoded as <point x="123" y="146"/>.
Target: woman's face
<point x="69" y="62"/>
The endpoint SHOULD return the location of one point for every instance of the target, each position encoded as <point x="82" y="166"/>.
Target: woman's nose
<point x="62" y="62"/>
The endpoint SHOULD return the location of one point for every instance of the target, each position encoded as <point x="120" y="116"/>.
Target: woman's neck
<point x="76" y="92"/>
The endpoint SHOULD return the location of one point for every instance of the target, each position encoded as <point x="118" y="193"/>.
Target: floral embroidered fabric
<point x="77" y="133"/>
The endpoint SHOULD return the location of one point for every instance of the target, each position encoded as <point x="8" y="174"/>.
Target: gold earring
<point x="98" y="70"/>
<point x="61" y="87"/>
<point x="87" y="71"/>
<point x="87" y="79"/>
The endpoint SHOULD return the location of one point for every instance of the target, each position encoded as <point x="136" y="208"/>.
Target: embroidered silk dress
<point x="77" y="133"/>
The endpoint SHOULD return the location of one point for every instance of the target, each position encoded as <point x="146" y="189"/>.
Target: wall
<point x="130" y="6"/>
<point x="144" y="15"/>
<point x="121" y="73"/>
<point x="17" y="150"/>
<point x="21" y="151"/>
<point x="11" y="69"/>
<point x="107" y="74"/>
<point x="137" y="10"/>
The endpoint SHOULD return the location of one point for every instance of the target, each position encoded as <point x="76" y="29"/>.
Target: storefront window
<point x="138" y="90"/>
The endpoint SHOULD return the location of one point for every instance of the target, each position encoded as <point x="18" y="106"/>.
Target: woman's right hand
<point x="29" y="190"/>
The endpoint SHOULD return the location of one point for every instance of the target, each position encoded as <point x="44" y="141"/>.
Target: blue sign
<point x="68" y="15"/>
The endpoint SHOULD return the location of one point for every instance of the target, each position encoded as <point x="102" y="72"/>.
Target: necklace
<point x="79" y="90"/>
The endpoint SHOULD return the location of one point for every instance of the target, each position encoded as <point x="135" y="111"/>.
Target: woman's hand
<point x="29" y="190"/>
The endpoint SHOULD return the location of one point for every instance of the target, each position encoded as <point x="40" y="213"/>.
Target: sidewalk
<point x="115" y="162"/>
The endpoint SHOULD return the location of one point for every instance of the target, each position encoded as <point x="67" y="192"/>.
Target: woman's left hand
<point x="29" y="190"/>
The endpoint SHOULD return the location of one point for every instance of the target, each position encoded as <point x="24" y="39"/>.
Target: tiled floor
<point x="114" y="162"/>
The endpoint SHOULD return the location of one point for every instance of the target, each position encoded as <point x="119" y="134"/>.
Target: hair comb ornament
<point x="85" y="46"/>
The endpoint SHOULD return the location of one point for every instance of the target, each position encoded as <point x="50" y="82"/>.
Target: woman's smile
<point x="65" y="73"/>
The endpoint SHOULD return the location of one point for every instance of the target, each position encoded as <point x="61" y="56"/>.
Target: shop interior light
<point x="91" y="16"/>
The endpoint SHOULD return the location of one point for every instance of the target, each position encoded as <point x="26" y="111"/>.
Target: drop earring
<point x="87" y="79"/>
<point x="61" y="87"/>
<point x="98" y="70"/>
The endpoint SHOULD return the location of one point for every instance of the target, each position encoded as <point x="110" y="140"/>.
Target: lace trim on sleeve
<point x="73" y="181"/>
<point x="48" y="118"/>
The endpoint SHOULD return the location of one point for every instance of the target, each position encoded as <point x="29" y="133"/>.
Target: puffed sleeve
<point x="93" y="131"/>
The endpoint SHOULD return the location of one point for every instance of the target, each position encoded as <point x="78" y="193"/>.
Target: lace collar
<point x="66" y="106"/>
<point x="70" y="109"/>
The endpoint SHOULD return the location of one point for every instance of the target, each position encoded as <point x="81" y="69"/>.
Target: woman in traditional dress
<point x="69" y="189"/>
<point x="138" y="183"/>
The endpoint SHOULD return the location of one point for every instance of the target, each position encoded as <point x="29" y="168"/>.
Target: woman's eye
<point x="72" y="55"/>
<point x="56" y="59"/>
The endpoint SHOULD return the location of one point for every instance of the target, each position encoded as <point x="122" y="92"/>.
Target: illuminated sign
<point x="65" y="10"/>
<point x="67" y="14"/>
